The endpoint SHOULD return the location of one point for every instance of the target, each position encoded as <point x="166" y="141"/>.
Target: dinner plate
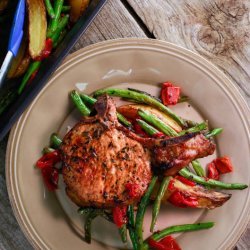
<point x="50" y="220"/>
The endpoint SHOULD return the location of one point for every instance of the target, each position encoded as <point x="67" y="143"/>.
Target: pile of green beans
<point x="142" y="98"/>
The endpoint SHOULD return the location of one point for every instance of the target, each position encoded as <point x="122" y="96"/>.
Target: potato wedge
<point x="206" y="198"/>
<point x="37" y="27"/>
<point x="77" y="8"/>
<point x="20" y="62"/>
<point x="130" y="111"/>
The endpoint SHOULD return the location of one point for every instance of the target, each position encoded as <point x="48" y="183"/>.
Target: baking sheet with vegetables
<point x="52" y="28"/>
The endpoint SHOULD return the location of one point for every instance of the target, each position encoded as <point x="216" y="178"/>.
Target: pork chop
<point x="100" y="157"/>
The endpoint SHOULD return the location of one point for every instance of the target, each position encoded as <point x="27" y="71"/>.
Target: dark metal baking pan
<point x="14" y="111"/>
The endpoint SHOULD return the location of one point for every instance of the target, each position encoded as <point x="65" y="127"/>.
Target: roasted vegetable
<point x="141" y="212"/>
<point x="79" y="103"/>
<point x="157" y="203"/>
<point x="142" y="98"/>
<point x="131" y="111"/>
<point x="77" y="8"/>
<point x="131" y="226"/>
<point x="210" y="182"/>
<point x="37" y="27"/>
<point x="206" y="198"/>
<point x="21" y="62"/>
<point x="176" y="229"/>
<point x="3" y="4"/>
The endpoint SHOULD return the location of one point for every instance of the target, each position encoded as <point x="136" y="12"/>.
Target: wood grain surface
<point x="218" y="30"/>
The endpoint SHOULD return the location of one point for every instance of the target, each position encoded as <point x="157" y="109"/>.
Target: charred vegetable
<point x="142" y="98"/>
<point x="77" y="8"/>
<point x="210" y="182"/>
<point x="37" y="27"/>
<point x="131" y="111"/>
<point x="21" y="62"/>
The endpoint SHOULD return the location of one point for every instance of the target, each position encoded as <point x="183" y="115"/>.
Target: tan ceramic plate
<point x="49" y="220"/>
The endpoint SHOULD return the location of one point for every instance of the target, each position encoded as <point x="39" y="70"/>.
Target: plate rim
<point x="116" y="44"/>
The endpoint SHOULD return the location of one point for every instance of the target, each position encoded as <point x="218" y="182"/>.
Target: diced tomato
<point x="155" y="244"/>
<point x="185" y="181"/>
<point x="47" y="50"/>
<point x="120" y="215"/>
<point x="167" y="84"/>
<point x="171" y="186"/>
<point x="50" y="177"/>
<point x="212" y="172"/>
<point x="170" y="243"/>
<point x="170" y="94"/>
<point x="158" y="135"/>
<point x="167" y="243"/>
<point x="132" y="190"/>
<point x="48" y="160"/>
<point x="178" y="199"/>
<point x="224" y="165"/>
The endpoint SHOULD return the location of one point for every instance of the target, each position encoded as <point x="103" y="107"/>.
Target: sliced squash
<point x="131" y="111"/>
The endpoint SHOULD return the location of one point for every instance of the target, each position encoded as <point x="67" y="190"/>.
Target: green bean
<point x="210" y="182"/>
<point x="47" y="150"/>
<point x="214" y="132"/>
<point x="123" y="233"/>
<point x="197" y="128"/>
<point x="55" y="35"/>
<point x="198" y="168"/>
<point x="147" y="128"/>
<point x="177" y="229"/>
<point x="55" y="141"/>
<point x="142" y="98"/>
<point x="123" y="120"/>
<point x="131" y="226"/>
<point x="87" y="226"/>
<point x="33" y="67"/>
<point x="66" y="8"/>
<point x="101" y="212"/>
<point x="146" y="93"/>
<point x="156" y="122"/>
<point x="79" y="103"/>
<point x="157" y="203"/>
<point x="58" y="9"/>
<point x="50" y="9"/>
<point x="57" y="41"/>
<point x="90" y="101"/>
<point x="141" y="212"/>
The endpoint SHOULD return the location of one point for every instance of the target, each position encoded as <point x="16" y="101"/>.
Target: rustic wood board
<point x="218" y="30"/>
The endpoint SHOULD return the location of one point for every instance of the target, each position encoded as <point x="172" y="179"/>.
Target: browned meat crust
<point x="170" y="160"/>
<point x="99" y="162"/>
<point x="100" y="157"/>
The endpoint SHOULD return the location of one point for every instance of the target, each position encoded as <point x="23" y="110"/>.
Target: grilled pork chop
<point x="101" y="157"/>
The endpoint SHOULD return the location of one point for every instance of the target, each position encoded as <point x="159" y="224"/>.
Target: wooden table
<point x="218" y="30"/>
